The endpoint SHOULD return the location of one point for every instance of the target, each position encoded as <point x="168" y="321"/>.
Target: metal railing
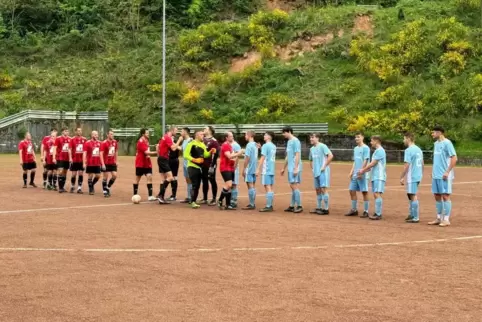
<point x="52" y="115"/>
<point x="129" y="132"/>
<point x="301" y="128"/>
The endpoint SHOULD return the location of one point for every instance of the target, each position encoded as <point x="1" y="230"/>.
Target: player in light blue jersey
<point x="444" y="161"/>
<point x="320" y="159"/>
<point x="295" y="167"/>
<point x="249" y="172"/>
<point x="234" y="189"/>
<point x="267" y="167"/>
<point x="361" y="157"/>
<point x="412" y="175"/>
<point x="186" y="137"/>
<point x="378" y="168"/>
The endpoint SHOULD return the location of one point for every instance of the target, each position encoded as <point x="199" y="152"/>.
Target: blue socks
<point x="447" y="206"/>
<point x="189" y="189"/>
<point x="326" y="199"/>
<point x="252" y="196"/>
<point x="293" y="199"/>
<point x="297" y="195"/>
<point x="440" y="208"/>
<point x="269" y="199"/>
<point x="366" y="206"/>
<point x="415" y="210"/>
<point x="353" y="204"/>
<point x="378" y="206"/>
<point x="319" y="200"/>
<point x="234" y="195"/>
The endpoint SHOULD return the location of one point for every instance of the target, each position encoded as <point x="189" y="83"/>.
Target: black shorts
<point x="143" y="171"/>
<point x="92" y="170"/>
<point x="163" y="165"/>
<point x="63" y="165"/>
<point x="174" y="165"/>
<point x="110" y="168"/>
<point x="29" y="166"/>
<point x="227" y="176"/>
<point x="51" y="167"/>
<point x="77" y="166"/>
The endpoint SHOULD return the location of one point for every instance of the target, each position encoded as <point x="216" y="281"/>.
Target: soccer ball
<point x="136" y="199"/>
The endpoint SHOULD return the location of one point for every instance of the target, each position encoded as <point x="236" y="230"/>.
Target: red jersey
<point x="28" y="154"/>
<point x="77" y="145"/>
<point x="142" y="160"/>
<point x="165" y="145"/>
<point x="63" y="146"/>
<point x="226" y="164"/>
<point x="109" y="150"/>
<point x="93" y="153"/>
<point x="49" y="151"/>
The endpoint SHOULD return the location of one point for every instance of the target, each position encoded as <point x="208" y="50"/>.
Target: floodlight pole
<point x="163" y="118"/>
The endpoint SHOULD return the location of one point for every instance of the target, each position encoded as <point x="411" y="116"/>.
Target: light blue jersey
<point x="319" y="156"/>
<point x="442" y="153"/>
<point x="293" y="147"/>
<point x="185" y="142"/>
<point x="252" y="153"/>
<point x="379" y="171"/>
<point x="269" y="165"/>
<point x="414" y="157"/>
<point x="360" y="155"/>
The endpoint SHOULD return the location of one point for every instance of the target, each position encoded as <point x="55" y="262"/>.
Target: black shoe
<point x="33" y="185"/>
<point x="412" y="221"/>
<point x="62" y="190"/>
<point x="212" y="203"/>
<point x="365" y="215"/>
<point x="266" y="209"/>
<point x="298" y="210"/>
<point x="375" y="217"/>
<point x="162" y="201"/>
<point x="106" y="193"/>
<point x="352" y="213"/>
<point x="230" y="208"/>
<point x="171" y="198"/>
<point x="187" y="200"/>
<point x="45" y="185"/>
<point x="91" y="191"/>
<point x="290" y="209"/>
<point x="220" y="205"/>
<point x="72" y="189"/>
<point x="203" y="202"/>
<point x="315" y="211"/>
<point x="409" y="218"/>
<point x="249" y="207"/>
<point x="80" y="192"/>
<point x="24" y="186"/>
<point x="324" y="212"/>
<point x="233" y="205"/>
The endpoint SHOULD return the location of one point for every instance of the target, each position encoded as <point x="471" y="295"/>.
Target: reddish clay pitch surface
<point x="148" y="262"/>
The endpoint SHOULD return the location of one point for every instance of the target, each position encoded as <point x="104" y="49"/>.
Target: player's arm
<point x="174" y="146"/>
<point x="328" y="159"/>
<point x="285" y="165"/>
<point x="297" y="157"/>
<point x="84" y="157"/>
<point x="70" y="153"/>
<point x="260" y="163"/>
<point x="187" y="152"/>
<point x="367" y="167"/>
<point x="246" y="161"/>
<point x="101" y="155"/>
<point x="42" y="152"/>
<point x="179" y="143"/>
<point x="214" y="154"/>
<point x="404" y="172"/>
<point x="20" y="154"/>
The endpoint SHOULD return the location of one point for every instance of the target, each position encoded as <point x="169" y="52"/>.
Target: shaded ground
<point x="124" y="262"/>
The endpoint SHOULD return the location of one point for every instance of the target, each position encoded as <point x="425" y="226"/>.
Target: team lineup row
<point x="200" y="154"/>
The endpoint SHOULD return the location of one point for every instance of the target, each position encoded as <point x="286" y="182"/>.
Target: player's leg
<point x="319" y="196"/>
<point x="62" y="176"/>
<point x="24" y="175"/>
<point x="353" y="188"/>
<point x="174" y="165"/>
<point x="55" y="178"/>
<point x="226" y="192"/>
<point x="267" y="181"/>
<point x="113" y="178"/>
<point x="73" y="176"/>
<point x="234" y="189"/>
<point x="295" y="186"/>
<point x="414" y="207"/>
<point x="188" y="185"/>
<point x="250" y="183"/>
<point x="325" y="184"/>
<point x="105" y="177"/>
<point x="291" y="207"/>
<point x="148" y="174"/>
<point x="214" y="186"/>
<point x="96" y="178"/>
<point x="195" y="175"/>
<point x="80" y="182"/>
<point x="90" y="179"/>
<point x="33" y="170"/>
<point x="49" y="178"/>
<point x="437" y="190"/>
<point x="137" y="179"/>
<point x="45" y="175"/>
<point x="205" y="183"/>
<point x="378" y="188"/>
<point x="447" y="203"/>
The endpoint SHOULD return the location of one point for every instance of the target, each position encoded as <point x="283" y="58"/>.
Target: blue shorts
<point x="442" y="187"/>
<point x="186" y="174"/>
<point x="250" y="178"/>
<point x="412" y="188"/>
<point x="294" y="179"/>
<point x="267" y="180"/>
<point x="236" y="177"/>
<point x="322" y="181"/>
<point x="378" y="186"/>
<point x="359" y="185"/>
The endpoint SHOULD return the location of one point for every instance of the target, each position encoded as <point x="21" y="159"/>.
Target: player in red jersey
<point x="165" y="146"/>
<point x="64" y="157"/>
<point x="92" y="163"/>
<point x="143" y="163"/>
<point x="43" y="155"/>
<point x="77" y="167"/>
<point x="108" y="160"/>
<point x="50" y="161"/>
<point x="28" y="162"/>
<point x="227" y="167"/>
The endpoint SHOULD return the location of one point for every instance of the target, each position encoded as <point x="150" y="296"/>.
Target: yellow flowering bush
<point x="6" y="81"/>
<point x="452" y="62"/>
<point x="207" y="114"/>
<point x="191" y="97"/>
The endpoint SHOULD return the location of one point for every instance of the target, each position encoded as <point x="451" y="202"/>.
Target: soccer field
<point x="76" y="257"/>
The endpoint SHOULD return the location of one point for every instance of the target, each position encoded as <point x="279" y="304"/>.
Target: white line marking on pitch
<point x="260" y="195"/>
<point x="244" y="249"/>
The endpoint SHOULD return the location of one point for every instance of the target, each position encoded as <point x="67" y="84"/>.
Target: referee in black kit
<point x="174" y="165"/>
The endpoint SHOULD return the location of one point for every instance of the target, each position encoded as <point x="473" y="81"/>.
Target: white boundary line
<point x="393" y="188"/>
<point x="217" y="250"/>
